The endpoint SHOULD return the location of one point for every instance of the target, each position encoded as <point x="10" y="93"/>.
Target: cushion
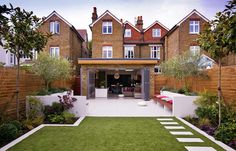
<point x="160" y="96"/>
<point x="170" y="101"/>
<point x="166" y="99"/>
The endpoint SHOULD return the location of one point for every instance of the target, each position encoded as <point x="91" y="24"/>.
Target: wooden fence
<point x="199" y="84"/>
<point x="29" y="84"/>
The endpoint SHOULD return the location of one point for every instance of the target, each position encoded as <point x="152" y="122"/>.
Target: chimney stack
<point x="94" y="14"/>
<point x="139" y="23"/>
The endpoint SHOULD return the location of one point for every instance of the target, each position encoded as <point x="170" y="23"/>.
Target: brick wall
<point x="172" y="47"/>
<point x="198" y="84"/>
<point x="115" y="39"/>
<point x="185" y="38"/>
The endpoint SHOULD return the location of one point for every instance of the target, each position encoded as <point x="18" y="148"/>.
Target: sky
<point x="79" y="12"/>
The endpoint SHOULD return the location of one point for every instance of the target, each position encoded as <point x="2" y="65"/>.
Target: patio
<point x="124" y="107"/>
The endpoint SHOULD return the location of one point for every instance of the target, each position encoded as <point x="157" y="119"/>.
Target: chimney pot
<point x="139" y="23"/>
<point x="94" y="14"/>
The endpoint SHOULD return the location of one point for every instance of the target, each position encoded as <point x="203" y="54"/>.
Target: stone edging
<point x="19" y="139"/>
<point x="224" y="146"/>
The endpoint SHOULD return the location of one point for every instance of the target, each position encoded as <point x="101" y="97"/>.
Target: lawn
<point x="108" y="134"/>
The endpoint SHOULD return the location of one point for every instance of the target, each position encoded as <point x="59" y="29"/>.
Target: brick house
<point x="86" y="53"/>
<point x="65" y="41"/>
<point x="123" y="58"/>
<point x="182" y="36"/>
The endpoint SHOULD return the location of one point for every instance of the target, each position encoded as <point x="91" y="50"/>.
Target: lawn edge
<point x="19" y="139"/>
<point x="221" y="144"/>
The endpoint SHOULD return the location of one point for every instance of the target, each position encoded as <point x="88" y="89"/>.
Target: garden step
<point x="169" y="123"/>
<point x="181" y="133"/>
<point x="189" y="140"/>
<point x="174" y="127"/>
<point x="164" y="119"/>
<point x="196" y="148"/>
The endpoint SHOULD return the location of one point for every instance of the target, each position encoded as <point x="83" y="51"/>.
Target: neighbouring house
<point x="65" y="40"/>
<point x="123" y="58"/>
<point x="86" y="53"/>
<point x="8" y="59"/>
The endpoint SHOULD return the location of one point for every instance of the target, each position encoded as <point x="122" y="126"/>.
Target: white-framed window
<point x="54" y="51"/>
<point x="12" y="59"/>
<point x="194" y="27"/>
<point x="107" y="27"/>
<point x="129" y="52"/>
<point x="107" y="52"/>
<point x="157" y="70"/>
<point x="156" y="32"/>
<point x="195" y="50"/>
<point x="55" y="27"/>
<point x="127" y="32"/>
<point x="155" y="52"/>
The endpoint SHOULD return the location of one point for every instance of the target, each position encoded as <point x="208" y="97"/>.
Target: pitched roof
<point x="127" y="22"/>
<point x="186" y="17"/>
<point x="64" y="20"/>
<point x="106" y="12"/>
<point x="156" y="22"/>
<point x="83" y="33"/>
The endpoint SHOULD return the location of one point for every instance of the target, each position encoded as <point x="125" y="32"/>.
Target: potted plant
<point x="102" y="84"/>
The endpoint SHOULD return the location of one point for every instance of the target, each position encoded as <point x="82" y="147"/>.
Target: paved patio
<point x="125" y="108"/>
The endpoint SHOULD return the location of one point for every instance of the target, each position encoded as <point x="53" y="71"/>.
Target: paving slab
<point x="181" y="133"/>
<point x="174" y="127"/>
<point x="190" y="140"/>
<point x="169" y="123"/>
<point x="200" y="148"/>
<point x="164" y="119"/>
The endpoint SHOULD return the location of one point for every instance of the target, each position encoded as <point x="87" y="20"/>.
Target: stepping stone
<point x="164" y="119"/>
<point x="190" y="140"/>
<point x="169" y="123"/>
<point x="195" y="148"/>
<point x="174" y="127"/>
<point x="180" y="133"/>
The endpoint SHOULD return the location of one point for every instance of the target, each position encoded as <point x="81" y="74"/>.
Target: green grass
<point x="108" y="134"/>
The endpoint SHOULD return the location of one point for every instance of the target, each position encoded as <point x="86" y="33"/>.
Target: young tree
<point x="182" y="66"/>
<point x="51" y="68"/>
<point x="219" y="39"/>
<point x="21" y="36"/>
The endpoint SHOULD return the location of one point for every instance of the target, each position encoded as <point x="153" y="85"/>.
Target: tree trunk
<point x="219" y="91"/>
<point x="17" y="88"/>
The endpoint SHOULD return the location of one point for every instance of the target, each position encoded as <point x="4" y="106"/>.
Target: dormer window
<point x="127" y="32"/>
<point x="55" y="27"/>
<point x="194" y="27"/>
<point x="107" y="27"/>
<point x="156" y="32"/>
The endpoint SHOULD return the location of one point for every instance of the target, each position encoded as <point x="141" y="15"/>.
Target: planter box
<point x="80" y="106"/>
<point x="182" y="104"/>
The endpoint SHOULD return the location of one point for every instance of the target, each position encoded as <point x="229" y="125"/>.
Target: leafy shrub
<point x="51" y="91"/>
<point x="8" y="132"/>
<point x="206" y="98"/>
<point x="204" y="121"/>
<point x="57" y="108"/>
<point x="43" y="92"/>
<point x="67" y="101"/>
<point x="226" y="132"/>
<point x="54" y="118"/>
<point x="17" y="124"/>
<point x="69" y="117"/>
<point x="209" y="112"/>
<point x="208" y="129"/>
<point x="32" y="123"/>
<point x="35" y="108"/>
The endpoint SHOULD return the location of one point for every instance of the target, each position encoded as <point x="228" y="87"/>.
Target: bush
<point x="17" y="124"/>
<point x="206" y="98"/>
<point x="35" y="108"/>
<point x="67" y="101"/>
<point x="208" y="129"/>
<point x="204" y="121"/>
<point x="69" y="117"/>
<point x="8" y="132"/>
<point x="226" y="132"/>
<point x="57" y="108"/>
<point x="209" y="112"/>
<point x="32" y="123"/>
<point x="54" y="118"/>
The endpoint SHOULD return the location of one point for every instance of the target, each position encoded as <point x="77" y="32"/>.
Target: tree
<point x="21" y="36"/>
<point x="219" y="39"/>
<point x="51" y="68"/>
<point x="182" y="66"/>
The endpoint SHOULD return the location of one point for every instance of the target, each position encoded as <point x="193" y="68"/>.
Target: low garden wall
<point x="182" y="105"/>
